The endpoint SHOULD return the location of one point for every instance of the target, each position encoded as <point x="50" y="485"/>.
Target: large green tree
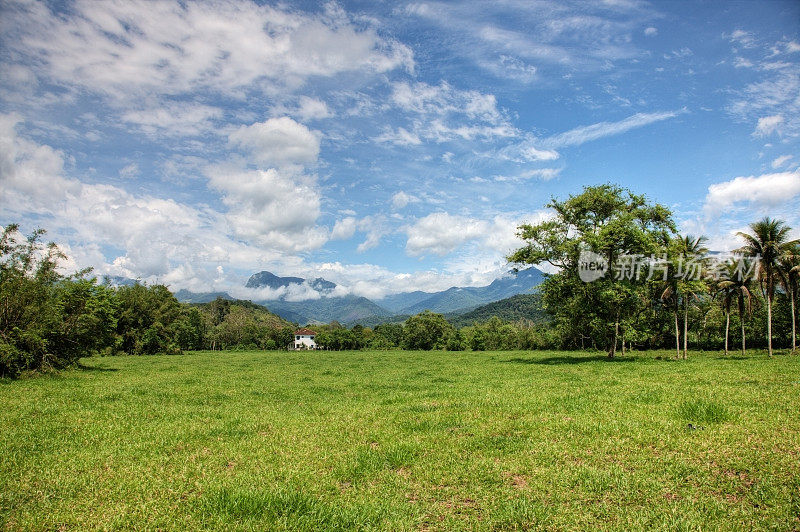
<point x="426" y="331"/>
<point x="48" y="320"/>
<point x="613" y="223"/>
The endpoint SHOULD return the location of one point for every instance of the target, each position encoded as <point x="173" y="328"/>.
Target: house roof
<point x="304" y="332"/>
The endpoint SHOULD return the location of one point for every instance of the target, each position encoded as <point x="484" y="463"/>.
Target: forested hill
<point x="522" y="307"/>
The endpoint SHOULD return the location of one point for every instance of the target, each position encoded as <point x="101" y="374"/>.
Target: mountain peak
<point x="265" y="279"/>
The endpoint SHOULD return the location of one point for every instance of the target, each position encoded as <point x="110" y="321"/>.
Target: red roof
<point x="304" y="332"/>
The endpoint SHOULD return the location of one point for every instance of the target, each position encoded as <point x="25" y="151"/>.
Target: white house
<point x="304" y="339"/>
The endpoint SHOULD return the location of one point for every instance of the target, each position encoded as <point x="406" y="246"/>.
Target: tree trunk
<point x="613" y="351"/>
<point x="769" y="325"/>
<point x="744" y="347"/>
<point x="685" y="330"/>
<point x="727" y="328"/>
<point x="677" y="336"/>
<point x="794" y="322"/>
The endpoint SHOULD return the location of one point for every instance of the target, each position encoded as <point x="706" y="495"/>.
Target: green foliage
<point x="46" y="319"/>
<point x="243" y="325"/>
<point x="149" y="320"/>
<point x="425" y="331"/>
<point x="519" y="308"/>
<point x="388" y="334"/>
<point x="612" y="222"/>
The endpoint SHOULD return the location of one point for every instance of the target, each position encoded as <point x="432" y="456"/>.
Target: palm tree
<point x="737" y="282"/>
<point x="724" y="287"/>
<point x="669" y="297"/>
<point x="789" y="274"/>
<point x="692" y="253"/>
<point x="684" y="281"/>
<point x="734" y="283"/>
<point x="768" y="242"/>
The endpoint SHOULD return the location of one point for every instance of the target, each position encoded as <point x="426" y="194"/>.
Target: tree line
<point x="50" y="320"/>
<point x="655" y="282"/>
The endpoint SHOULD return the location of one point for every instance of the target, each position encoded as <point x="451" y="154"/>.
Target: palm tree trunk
<point x="685" y="329"/>
<point x="794" y="322"/>
<point x="727" y="328"/>
<point x="744" y="344"/>
<point x="769" y="325"/>
<point x="677" y="336"/>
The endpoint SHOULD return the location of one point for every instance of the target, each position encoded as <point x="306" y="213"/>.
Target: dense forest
<point x="50" y="320"/>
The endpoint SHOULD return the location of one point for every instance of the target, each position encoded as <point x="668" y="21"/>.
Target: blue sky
<point x="384" y="146"/>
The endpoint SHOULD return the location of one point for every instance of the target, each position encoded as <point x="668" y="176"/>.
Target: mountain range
<point x="350" y="308"/>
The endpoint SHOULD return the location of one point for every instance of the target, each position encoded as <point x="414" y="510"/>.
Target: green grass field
<point x="404" y="441"/>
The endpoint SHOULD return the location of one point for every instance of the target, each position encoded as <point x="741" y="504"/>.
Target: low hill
<point x="346" y="309"/>
<point x="523" y="307"/>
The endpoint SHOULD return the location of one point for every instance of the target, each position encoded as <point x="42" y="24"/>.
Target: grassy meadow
<point x="404" y="441"/>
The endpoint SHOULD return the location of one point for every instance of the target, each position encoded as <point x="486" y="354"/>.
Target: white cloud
<point x="270" y="208"/>
<point x="129" y="171"/>
<point x="278" y="142"/>
<point x="444" y="99"/>
<point x="344" y="228"/>
<point x="375" y="229"/>
<point x="445" y="114"/>
<point x="400" y="137"/>
<point x="743" y="38"/>
<point x="531" y="153"/>
<point x="158" y="239"/>
<point x="781" y="161"/>
<point x="400" y="200"/>
<point x="545" y="174"/>
<point x="442" y="233"/>
<point x="577" y="38"/>
<point x="173" y="118"/>
<point x="127" y="49"/>
<point x="764" y="191"/>
<point x="312" y="109"/>
<point x="650" y="31"/>
<point x="768" y="125"/>
<point x="583" y="134"/>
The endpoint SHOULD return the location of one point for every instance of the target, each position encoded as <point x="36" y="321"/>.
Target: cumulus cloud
<point x="344" y="228"/>
<point x="152" y="238"/>
<point x="767" y="190"/>
<point x="270" y="208"/>
<point x="278" y="142"/>
<point x="442" y="233"/>
<point x="312" y="109"/>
